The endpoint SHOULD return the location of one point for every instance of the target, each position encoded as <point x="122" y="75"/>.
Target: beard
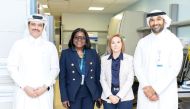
<point x="157" y="28"/>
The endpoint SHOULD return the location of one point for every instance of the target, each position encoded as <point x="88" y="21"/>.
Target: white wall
<point x="91" y="22"/>
<point x="183" y="14"/>
<point x="115" y="24"/>
<point x="148" y="5"/>
<point x="123" y="24"/>
<point x="13" y="15"/>
<point x="12" y="24"/>
<point x="95" y="22"/>
<point x="128" y="29"/>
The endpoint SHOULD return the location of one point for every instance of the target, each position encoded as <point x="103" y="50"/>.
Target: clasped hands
<point x="114" y="99"/>
<point x="35" y="92"/>
<point x="150" y="93"/>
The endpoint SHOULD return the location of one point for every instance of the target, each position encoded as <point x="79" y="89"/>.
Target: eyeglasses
<point x="79" y="38"/>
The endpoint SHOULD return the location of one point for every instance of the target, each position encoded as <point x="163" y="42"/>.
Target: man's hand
<point x="66" y="104"/>
<point x="114" y="99"/>
<point x="150" y="93"/>
<point x="40" y="90"/>
<point x="30" y="91"/>
<point x="154" y="97"/>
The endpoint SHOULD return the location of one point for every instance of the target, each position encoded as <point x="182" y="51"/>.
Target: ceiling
<point x="57" y="7"/>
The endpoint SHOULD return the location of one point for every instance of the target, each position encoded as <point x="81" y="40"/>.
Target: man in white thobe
<point x="157" y="62"/>
<point x="33" y="65"/>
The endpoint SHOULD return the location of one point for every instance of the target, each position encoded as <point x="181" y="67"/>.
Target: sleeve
<point x="138" y="66"/>
<point x="98" y="68"/>
<point x="54" y="67"/>
<point x="129" y="81"/>
<point x="170" y="74"/>
<point x="13" y="65"/>
<point x="62" y="77"/>
<point x="103" y="79"/>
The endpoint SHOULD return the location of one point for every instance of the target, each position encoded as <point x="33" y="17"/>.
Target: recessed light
<point x="96" y="8"/>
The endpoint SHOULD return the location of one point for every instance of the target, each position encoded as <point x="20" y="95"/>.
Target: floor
<point x="57" y="102"/>
<point x="184" y="103"/>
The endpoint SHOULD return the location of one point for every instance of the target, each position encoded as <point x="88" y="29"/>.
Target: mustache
<point x="35" y="30"/>
<point x="156" y="25"/>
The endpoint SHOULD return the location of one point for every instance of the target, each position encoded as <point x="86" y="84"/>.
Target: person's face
<point x="116" y="45"/>
<point x="79" y="40"/>
<point x="156" y="24"/>
<point x="35" y="28"/>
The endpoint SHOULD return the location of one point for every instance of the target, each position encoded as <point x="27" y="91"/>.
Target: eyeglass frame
<point x="83" y="38"/>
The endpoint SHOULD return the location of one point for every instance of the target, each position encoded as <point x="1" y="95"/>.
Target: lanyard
<point x="82" y="62"/>
<point x="82" y="67"/>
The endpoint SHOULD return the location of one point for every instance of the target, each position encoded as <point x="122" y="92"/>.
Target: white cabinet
<point x="6" y="86"/>
<point x="130" y="22"/>
<point x="126" y="24"/>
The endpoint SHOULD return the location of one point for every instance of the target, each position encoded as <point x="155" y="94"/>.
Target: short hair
<point x="110" y="40"/>
<point x="87" y="39"/>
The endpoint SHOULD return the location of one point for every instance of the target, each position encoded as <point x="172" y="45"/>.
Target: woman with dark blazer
<point x="79" y="73"/>
<point x="117" y="76"/>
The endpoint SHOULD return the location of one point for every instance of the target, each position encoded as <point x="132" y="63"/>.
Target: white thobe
<point x="157" y="62"/>
<point x="33" y="62"/>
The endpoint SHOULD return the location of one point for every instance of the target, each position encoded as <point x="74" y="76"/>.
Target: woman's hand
<point x="66" y="104"/>
<point x="114" y="99"/>
<point x="99" y="103"/>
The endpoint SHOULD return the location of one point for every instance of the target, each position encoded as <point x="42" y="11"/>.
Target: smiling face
<point x="116" y="45"/>
<point x="35" y="28"/>
<point x="156" y="24"/>
<point x="79" y="40"/>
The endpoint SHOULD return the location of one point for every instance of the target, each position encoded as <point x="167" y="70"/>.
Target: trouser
<point x="83" y="99"/>
<point x="120" y="105"/>
<point x="82" y="103"/>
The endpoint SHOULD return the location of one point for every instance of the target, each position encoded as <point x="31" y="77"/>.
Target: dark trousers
<point x="83" y="100"/>
<point x="120" y="105"/>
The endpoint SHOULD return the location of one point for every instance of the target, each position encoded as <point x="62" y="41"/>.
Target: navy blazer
<point x="70" y="77"/>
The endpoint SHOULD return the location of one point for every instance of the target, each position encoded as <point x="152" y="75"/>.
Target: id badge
<point x="82" y="81"/>
<point x="159" y="59"/>
<point x="159" y="63"/>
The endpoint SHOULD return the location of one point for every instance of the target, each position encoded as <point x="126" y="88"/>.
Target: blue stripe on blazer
<point x="70" y="78"/>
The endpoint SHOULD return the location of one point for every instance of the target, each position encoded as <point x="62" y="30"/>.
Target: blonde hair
<point x="110" y="40"/>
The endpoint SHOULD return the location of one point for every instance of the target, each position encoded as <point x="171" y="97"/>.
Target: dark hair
<point x="87" y="40"/>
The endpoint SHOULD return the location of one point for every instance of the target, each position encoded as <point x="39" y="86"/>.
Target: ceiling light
<point x="45" y="6"/>
<point x="96" y="8"/>
<point x="47" y="13"/>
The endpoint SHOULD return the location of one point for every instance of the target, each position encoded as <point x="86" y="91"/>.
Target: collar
<point x="33" y="40"/>
<point x="74" y="50"/>
<point x="120" y="57"/>
<point x="161" y="34"/>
